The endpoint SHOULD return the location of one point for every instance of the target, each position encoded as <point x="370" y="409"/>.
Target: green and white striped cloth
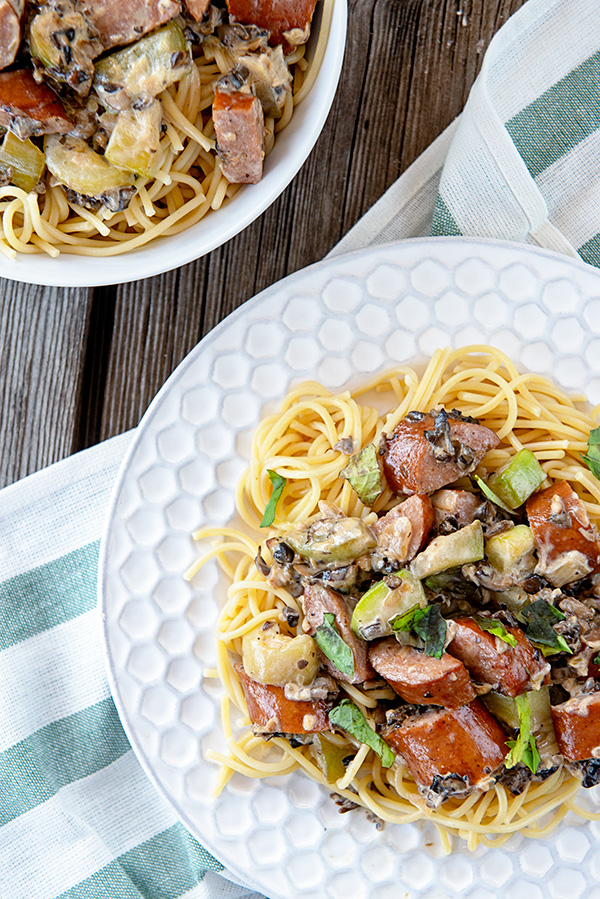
<point x="78" y="817"/>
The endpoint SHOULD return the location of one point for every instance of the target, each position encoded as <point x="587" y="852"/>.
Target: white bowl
<point x="291" y="150"/>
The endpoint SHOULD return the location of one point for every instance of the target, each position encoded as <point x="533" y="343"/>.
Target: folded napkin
<point x="78" y="816"/>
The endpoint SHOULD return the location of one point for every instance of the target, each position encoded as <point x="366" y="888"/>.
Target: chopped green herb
<point x="495" y="627"/>
<point x="364" y="475"/>
<point x="278" y="482"/>
<point x="428" y="624"/>
<point x="592" y="457"/>
<point x="539" y="618"/>
<point x="596" y="660"/>
<point x="349" y="717"/>
<point x="524" y="748"/>
<point x="327" y="637"/>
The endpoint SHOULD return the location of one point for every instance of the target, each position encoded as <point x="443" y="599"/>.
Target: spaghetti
<point x="306" y="441"/>
<point x="188" y="185"/>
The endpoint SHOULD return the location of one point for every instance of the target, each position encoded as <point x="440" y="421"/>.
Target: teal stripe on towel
<point x="35" y="769"/>
<point x="48" y="595"/>
<point x="560" y="118"/>
<point x="164" y="867"/>
<point x="443" y="221"/>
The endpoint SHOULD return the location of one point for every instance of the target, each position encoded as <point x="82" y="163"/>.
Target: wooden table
<point x="80" y="365"/>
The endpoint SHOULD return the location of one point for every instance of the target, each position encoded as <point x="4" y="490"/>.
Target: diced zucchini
<point x="147" y="67"/>
<point x="24" y="159"/>
<point x="514" y="598"/>
<point x="332" y="542"/>
<point x="135" y="139"/>
<point x="273" y="658"/>
<point x="363" y="473"/>
<point x="505" y="709"/>
<point x="459" y="548"/>
<point x="330" y="758"/>
<point x="515" y="483"/>
<point x="511" y="549"/>
<point x="74" y="164"/>
<point x="374" y="611"/>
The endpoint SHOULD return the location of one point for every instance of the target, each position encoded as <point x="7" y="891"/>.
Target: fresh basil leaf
<point x="278" y="482"/>
<point x="428" y="624"/>
<point x="596" y="660"/>
<point x="523" y="749"/>
<point x="327" y="637"/>
<point x="489" y="494"/>
<point x="592" y="457"/>
<point x="495" y="627"/>
<point x="404" y="622"/>
<point x="363" y="473"/>
<point x="538" y="618"/>
<point x="431" y="627"/>
<point x="349" y="717"/>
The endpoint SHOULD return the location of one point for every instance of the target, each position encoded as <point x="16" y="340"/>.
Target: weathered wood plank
<point x="43" y="342"/>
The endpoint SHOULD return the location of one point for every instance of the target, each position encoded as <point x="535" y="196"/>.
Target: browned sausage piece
<point x="271" y="713"/>
<point x="566" y="542"/>
<point x="10" y="30"/>
<point x="287" y="22"/>
<point x="422" y="679"/>
<point x="577" y="727"/>
<point x="196" y="8"/>
<point x="119" y="23"/>
<point x="457" y="506"/>
<point x="404" y="530"/>
<point x="467" y="741"/>
<point x="510" y="671"/>
<point x="30" y="109"/>
<point x="240" y="128"/>
<point x="316" y="601"/>
<point x="410" y="463"/>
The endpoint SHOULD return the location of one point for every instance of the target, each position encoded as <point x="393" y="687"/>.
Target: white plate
<point x="338" y="321"/>
<point x="291" y="151"/>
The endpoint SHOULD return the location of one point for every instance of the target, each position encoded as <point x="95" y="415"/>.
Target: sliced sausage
<point x="467" y="741"/>
<point x="577" y="727"/>
<point x="423" y="454"/>
<point x="10" y="30"/>
<point x="404" y="530"/>
<point x="271" y="713"/>
<point x="240" y="128"/>
<point x="120" y="23"/>
<point x="287" y="23"/>
<point x="458" y="507"/>
<point x="196" y="8"/>
<point x="566" y="542"/>
<point x="30" y="109"/>
<point x="318" y="600"/>
<point x="510" y="670"/>
<point x="420" y="678"/>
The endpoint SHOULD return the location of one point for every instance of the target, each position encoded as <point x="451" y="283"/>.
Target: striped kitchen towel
<point x="522" y="161"/>
<point x="78" y="817"/>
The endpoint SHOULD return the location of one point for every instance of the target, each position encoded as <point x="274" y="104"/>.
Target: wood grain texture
<point x="407" y="72"/>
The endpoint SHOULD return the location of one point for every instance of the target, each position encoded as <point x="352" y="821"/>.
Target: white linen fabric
<point x="78" y="817"/>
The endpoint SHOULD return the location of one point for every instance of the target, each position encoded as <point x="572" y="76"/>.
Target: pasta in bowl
<point x="412" y="617"/>
<point x="114" y="147"/>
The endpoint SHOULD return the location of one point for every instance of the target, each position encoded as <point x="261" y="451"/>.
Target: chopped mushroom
<point x="29" y="109"/>
<point x="240" y="128"/>
<point x="428" y="451"/>
<point x="196" y="8"/>
<point x="11" y="12"/>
